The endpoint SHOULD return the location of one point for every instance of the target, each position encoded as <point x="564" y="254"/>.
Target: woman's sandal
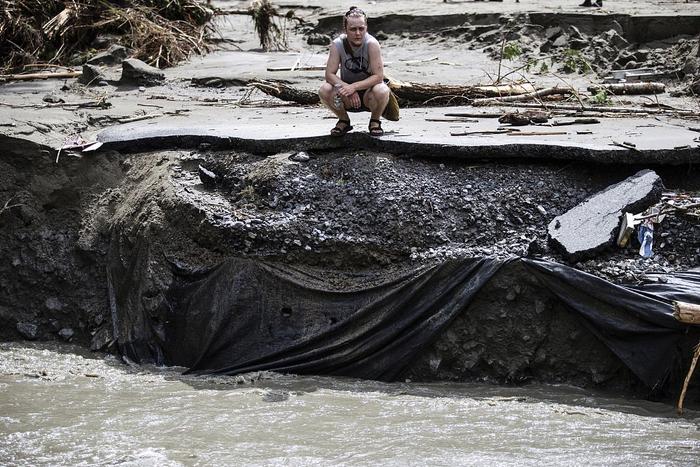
<point x="377" y="129"/>
<point x="340" y="131"/>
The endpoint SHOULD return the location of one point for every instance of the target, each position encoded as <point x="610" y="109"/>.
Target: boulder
<point x="616" y="40"/>
<point x="318" y="39"/>
<point x="29" y="331"/>
<point x="66" y="334"/>
<point x="91" y="75"/>
<point x="591" y="226"/>
<point x="115" y="55"/>
<point x="561" y="41"/>
<point x="575" y="33"/>
<point x="578" y="44"/>
<point x="552" y="33"/>
<point x="134" y="71"/>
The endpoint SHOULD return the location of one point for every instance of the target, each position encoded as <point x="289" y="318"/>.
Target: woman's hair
<point x="354" y="12"/>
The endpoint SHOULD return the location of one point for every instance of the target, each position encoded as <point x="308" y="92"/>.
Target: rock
<point x="641" y="55"/>
<point x="28" y="330"/>
<point x="552" y="33"/>
<point x="52" y="99"/>
<point x="318" y="39"/>
<point x="591" y="226"/>
<point x="616" y="40"/>
<point x="381" y="36"/>
<point x="575" y="33"/>
<point x="53" y="304"/>
<point x="135" y="71"/>
<point x="66" y="333"/>
<point x="560" y="41"/>
<point x="115" y="55"/>
<point x="300" y="157"/>
<point x="91" y="75"/>
<point x="623" y="58"/>
<point x="207" y="177"/>
<point x="578" y="44"/>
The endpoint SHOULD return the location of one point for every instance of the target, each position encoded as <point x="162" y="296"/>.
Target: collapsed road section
<point x="344" y="262"/>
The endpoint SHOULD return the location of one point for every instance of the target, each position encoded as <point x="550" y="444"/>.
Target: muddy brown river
<point x="62" y="406"/>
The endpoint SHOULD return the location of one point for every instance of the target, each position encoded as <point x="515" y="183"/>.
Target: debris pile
<point x="160" y="32"/>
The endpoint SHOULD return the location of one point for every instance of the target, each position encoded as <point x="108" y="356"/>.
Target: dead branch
<point x="629" y="88"/>
<point x="579" y="108"/>
<point x="286" y="93"/>
<point x="475" y="114"/>
<point x="524" y="97"/>
<point x="33" y="76"/>
<point x="578" y="121"/>
<point x="485" y="132"/>
<point x="421" y="93"/>
<point x="7" y="206"/>
<point x="696" y="355"/>
<point x="538" y="133"/>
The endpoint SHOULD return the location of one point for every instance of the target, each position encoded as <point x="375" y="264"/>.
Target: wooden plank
<point x="688" y="313"/>
<point x="32" y="76"/>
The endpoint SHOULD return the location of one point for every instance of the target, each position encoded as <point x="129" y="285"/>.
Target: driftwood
<point x="524" y="97"/>
<point x="696" y="355"/>
<point x="578" y="121"/>
<point x="687" y="313"/>
<point x="629" y="88"/>
<point x="585" y="108"/>
<point x="502" y="131"/>
<point x="33" y="76"/>
<point x="452" y="120"/>
<point x="297" y="68"/>
<point x="538" y="133"/>
<point x="286" y="93"/>
<point x="420" y="93"/>
<point x="98" y="104"/>
<point x="475" y="114"/>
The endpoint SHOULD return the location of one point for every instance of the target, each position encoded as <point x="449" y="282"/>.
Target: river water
<point x="62" y="406"/>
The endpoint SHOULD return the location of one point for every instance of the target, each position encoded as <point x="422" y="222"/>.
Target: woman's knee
<point x="325" y="91"/>
<point x="379" y="93"/>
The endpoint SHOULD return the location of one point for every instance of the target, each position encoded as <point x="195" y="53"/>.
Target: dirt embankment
<point x="344" y="212"/>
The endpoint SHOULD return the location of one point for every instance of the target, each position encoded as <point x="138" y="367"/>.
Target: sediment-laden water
<point x="61" y="406"/>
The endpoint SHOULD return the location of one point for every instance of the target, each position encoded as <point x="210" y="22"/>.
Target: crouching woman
<point x="360" y="86"/>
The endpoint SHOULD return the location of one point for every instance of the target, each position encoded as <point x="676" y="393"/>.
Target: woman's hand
<point x="350" y="95"/>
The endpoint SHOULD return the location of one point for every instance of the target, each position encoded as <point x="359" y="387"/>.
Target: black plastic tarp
<point x="247" y="315"/>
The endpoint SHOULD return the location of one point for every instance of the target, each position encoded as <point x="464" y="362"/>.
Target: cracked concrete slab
<point x="591" y="226"/>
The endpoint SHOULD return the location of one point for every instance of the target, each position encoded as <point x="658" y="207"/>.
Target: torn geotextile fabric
<point x="249" y="316"/>
<point x="635" y="323"/>
<point x="246" y="315"/>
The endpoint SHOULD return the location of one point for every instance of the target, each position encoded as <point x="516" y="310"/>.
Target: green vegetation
<point x="601" y="98"/>
<point x="574" y="62"/>
<point x="512" y="50"/>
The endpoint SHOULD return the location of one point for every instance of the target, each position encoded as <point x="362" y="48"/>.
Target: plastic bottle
<point x="337" y="100"/>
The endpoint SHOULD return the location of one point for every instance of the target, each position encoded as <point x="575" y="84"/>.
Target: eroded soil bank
<point x="343" y="214"/>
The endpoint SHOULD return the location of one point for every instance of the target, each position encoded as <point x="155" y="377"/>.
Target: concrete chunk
<point x="91" y="75"/>
<point x="134" y="71"/>
<point x="115" y="55"/>
<point x="590" y="227"/>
